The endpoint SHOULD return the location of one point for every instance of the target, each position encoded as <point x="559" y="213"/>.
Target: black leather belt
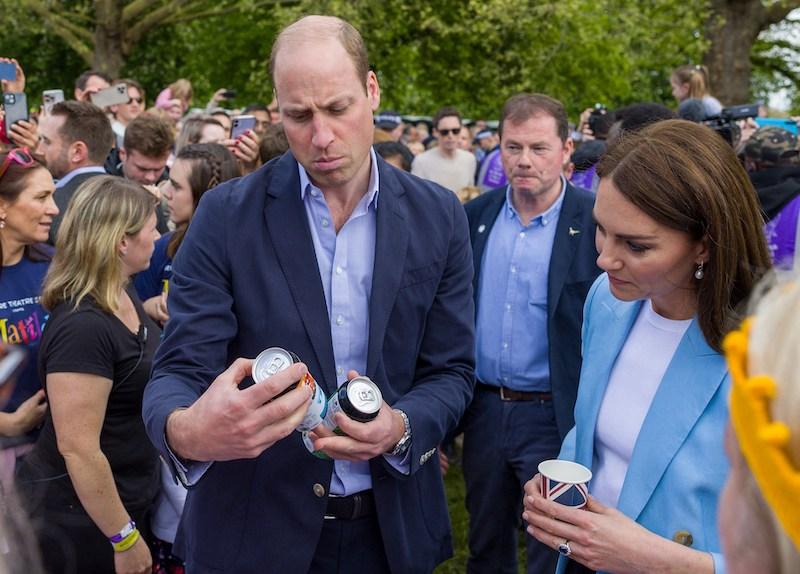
<point x="351" y="507"/>
<point x="507" y="394"/>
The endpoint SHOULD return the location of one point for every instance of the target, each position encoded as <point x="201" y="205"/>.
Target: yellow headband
<point x="763" y="441"/>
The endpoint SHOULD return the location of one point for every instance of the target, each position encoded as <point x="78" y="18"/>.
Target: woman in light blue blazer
<point x="679" y="238"/>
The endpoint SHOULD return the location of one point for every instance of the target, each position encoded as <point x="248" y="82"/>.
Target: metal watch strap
<point x="405" y="441"/>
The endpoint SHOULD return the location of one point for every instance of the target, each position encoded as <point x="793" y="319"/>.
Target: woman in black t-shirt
<point x="93" y="474"/>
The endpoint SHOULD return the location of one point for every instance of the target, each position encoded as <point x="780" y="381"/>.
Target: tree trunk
<point x="108" y="48"/>
<point x="732" y="29"/>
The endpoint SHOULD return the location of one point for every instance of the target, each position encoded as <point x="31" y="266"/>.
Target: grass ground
<point x="454" y="488"/>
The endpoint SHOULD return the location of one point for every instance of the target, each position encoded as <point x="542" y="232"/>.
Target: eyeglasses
<point x="19" y="155"/>
<point x="137" y="100"/>
<point x="454" y="131"/>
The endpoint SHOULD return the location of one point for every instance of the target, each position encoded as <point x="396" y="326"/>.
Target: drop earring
<point x="699" y="272"/>
<point x="2" y="222"/>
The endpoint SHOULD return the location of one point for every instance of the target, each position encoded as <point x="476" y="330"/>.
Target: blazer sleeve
<point x="202" y="323"/>
<point x="444" y="378"/>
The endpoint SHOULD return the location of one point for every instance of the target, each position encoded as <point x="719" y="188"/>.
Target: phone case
<point x="16" y="107"/>
<point x="241" y="124"/>
<point x="115" y="95"/>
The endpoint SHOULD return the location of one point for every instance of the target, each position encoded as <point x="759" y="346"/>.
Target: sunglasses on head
<point x="454" y="131"/>
<point x="18" y="155"/>
<point x="137" y="100"/>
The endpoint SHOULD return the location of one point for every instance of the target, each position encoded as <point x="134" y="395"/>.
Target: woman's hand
<point x="245" y="149"/>
<point x="27" y="416"/>
<point x="25" y="133"/>
<point x="602" y="538"/>
<point x="135" y="560"/>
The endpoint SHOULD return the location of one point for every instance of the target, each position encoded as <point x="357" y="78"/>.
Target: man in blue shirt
<point x="535" y="260"/>
<point x="358" y="268"/>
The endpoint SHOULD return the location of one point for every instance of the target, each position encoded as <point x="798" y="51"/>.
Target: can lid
<point x="365" y="398"/>
<point x="271" y="361"/>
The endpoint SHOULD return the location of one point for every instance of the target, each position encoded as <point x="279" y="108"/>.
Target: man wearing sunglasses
<point x="125" y="113"/>
<point x="446" y="164"/>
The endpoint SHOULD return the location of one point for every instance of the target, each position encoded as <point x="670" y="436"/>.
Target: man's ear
<point x="122" y="154"/>
<point x="78" y="152"/>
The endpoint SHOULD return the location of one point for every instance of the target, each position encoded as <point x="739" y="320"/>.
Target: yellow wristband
<point x="127" y="542"/>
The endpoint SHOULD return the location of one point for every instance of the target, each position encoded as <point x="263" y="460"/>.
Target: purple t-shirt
<point x="781" y="234"/>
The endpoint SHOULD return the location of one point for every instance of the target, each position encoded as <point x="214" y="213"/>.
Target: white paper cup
<point x="565" y="482"/>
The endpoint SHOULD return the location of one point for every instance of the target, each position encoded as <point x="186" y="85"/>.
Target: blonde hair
<point x="104" y="210"/>
<point x="774" y="341"/>
<point x="181" y="89"/>
<point x="696" y="76"/>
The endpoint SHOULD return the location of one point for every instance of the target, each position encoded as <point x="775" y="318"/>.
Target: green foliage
<point x="775" y="59"/>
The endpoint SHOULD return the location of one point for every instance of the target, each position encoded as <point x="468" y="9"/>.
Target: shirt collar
<point x="88" y="169"/>
<point x="542" y="219"/>
<point x="372" y="187"/>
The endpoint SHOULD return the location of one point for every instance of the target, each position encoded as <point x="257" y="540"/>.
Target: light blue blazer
<point x="678" y="465"/>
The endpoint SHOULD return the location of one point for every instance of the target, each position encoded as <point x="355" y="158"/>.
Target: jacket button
<point x="319" y="490"/>
<point x="683" y="537"/>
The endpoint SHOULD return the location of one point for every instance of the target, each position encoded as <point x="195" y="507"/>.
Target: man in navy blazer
<point x="354" y="266"/>
<point x="535" y="260"/>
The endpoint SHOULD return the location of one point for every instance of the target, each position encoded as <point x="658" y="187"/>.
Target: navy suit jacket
<point x="246" y="278"/>
<point x="573" y="269"/>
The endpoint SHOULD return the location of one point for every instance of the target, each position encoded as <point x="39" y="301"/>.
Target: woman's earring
<point x="699" y="273"/>
<point x="2" y="222"/>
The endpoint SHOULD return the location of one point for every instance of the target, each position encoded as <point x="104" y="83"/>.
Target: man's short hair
<point x="83" y="79"/>
<point x="327" y="26"/>
<point x="130" y="82"/>
<point x="445" y="112"/>
<point x="87" y="123"/>
<point x="274" y="143"/>
<point x="637" y="116"/>
<point x="255" y="108"/>
<point x="522" y="107"/>
<point x="149" y="135"/>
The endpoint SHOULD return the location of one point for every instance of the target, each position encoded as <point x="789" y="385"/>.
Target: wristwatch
<point x="405" y="441"/>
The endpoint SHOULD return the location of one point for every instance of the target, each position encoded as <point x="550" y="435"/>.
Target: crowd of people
<point x="617" y="292"/>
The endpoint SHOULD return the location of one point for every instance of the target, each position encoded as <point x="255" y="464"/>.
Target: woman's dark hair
<point x="685" y="176"/>
<point x="12" y="184"/>
<point x="210" y="165"/>
<point x="395" y="149"/>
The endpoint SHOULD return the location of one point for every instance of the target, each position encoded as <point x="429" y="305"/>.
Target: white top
<point x="633" y="383"/>
<point x="453" y="173"/>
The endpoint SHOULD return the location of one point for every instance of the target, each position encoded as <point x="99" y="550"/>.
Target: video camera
<point x="725" y="125"/>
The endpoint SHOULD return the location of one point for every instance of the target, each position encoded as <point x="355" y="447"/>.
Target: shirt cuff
<point x="187" y="472"/>
<point x="400" y="462"/>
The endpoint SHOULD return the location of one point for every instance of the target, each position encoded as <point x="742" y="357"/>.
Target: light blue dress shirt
<point x="88" y="169"/>
<point x="346" y="261"/>
<point x="511" y="330"/>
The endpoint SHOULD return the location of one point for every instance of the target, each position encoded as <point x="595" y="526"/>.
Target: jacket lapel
<point x="391" y="243"/>
<point x="568" y="234"/>
<point x="616" y="318"/>
<point x="287" y="226"/>
<point x="691" y="381"/>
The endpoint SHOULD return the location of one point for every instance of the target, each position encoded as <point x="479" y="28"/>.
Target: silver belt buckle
<point x="503" y="394"/>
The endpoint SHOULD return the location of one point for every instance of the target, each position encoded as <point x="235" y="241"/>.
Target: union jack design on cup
<point x="574" y="495"/>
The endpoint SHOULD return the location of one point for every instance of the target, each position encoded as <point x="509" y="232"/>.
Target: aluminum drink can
<point x="359" y="398"/>
<point x="275" y="360"/>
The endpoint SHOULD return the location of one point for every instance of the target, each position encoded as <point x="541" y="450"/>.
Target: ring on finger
<point x="564" y="549"/>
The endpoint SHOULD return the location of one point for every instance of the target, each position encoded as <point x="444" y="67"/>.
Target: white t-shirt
<point x="454" y="173"/>
<point x="633" y="383"/>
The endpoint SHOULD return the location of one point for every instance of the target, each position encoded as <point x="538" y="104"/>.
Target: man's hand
<point x="17" y="84"/>
<point x="364" y="440"/>
<point x="25" y="133"/>
<point x="226" y="423"/>
<point x="156" y="308"/>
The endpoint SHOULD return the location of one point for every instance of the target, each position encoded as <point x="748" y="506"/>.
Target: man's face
<point x="93" y="85"/>
<point x="52" y="147"/>
<point x="135" y="106"/>
<point x="262" y="122"/>
<point x="533" y="155"/>
<point x="448" y="132"/>
<point x="141" y="168"/>
<point x="326" y="111"/>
